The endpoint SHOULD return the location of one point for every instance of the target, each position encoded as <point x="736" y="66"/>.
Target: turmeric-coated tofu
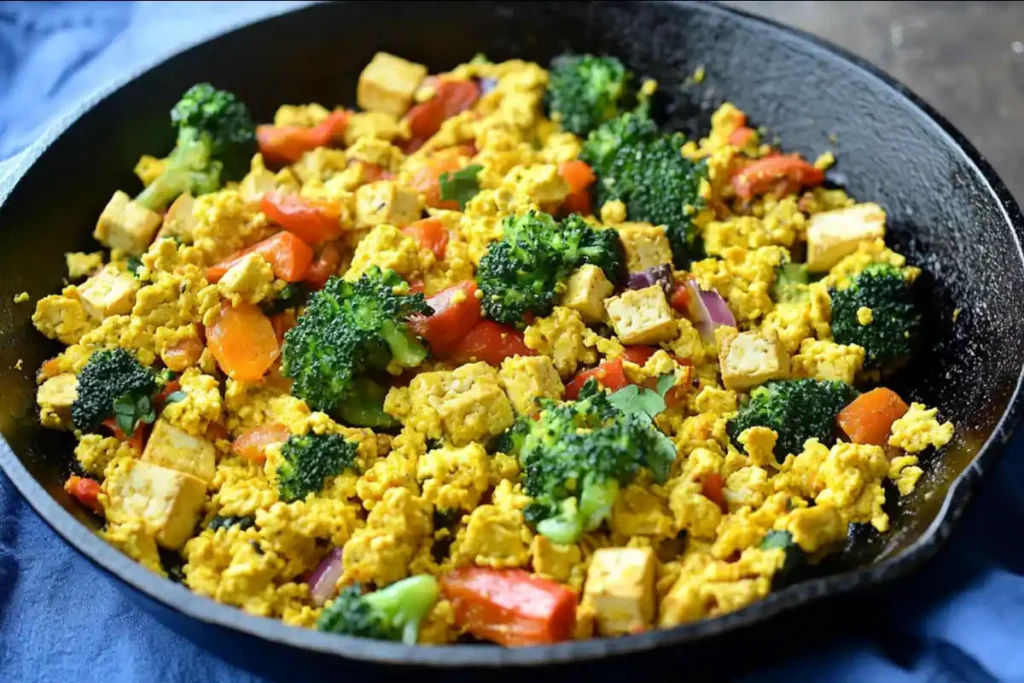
<point x="178" y="450"/>
<point x="386" y="202"/>
<point x="646" y="246"/>
<point x="55" y="397"/>
<point x="168" y="502"/>
<point x="751" y="358"/>
<point x="585" y="292"/>
<point x="126" y="225"/>
<point x="527" y="378"/>
<point x="641" y="316"/>
<point x="832" y="235"/>
<point x="109" y="292"/>
<point x="179" y="222"/>
<point x="388" y="83"/>
<point x="620" y="586"/>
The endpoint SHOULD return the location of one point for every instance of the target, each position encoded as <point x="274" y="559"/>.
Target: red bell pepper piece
<point x="609" y="374"/>
<point x="456" y="312"/>
<point x="288" y="256"/>
<point x="431" y="234"/>
<point x="282" y="145"/>
<point x="311" y="220"/>
<point x="85" y="490"/>
<point x="492" y="343"/>
<point x="785" y="173"/>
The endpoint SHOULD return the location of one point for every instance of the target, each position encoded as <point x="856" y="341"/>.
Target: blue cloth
<point x="960" y="619"/>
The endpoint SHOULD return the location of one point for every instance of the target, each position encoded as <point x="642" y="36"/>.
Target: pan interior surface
<point x="947" y="213"/>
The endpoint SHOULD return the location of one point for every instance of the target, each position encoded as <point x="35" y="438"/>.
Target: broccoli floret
<point x="519" y="272"/>
<point x="309" y="460"/>
<point x="791" y="282"/>
<point x="392" y="613"/>
<point x="511" y="440"/>
<point x="894" y="331"/>
<point x="242" y="522"/>
<point x="645" y="169"/>
<point x="577" y="455"/>
<point x="215" y="140"/>
<point x="796" y="410"/>
<point x="113" y="380"/>
<point x="584" y="91"/>
<point x="795" y="560"/>
<point x="348" y="332"/>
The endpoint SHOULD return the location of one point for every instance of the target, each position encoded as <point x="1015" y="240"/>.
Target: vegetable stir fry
<point x="489" y="356"/>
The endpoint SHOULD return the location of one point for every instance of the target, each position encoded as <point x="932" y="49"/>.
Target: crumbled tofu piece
<point x="918" y="429"/>
<point x="527" y="378"/>
<point x="832" y="235"/>
<point x="641" y="316"/>
<point x="168" y="502"/>
<point x="109" y="292"/>
<point x="63" y="317"/>
<point x="304" y="115"/>
<point x="620" y="586"/>
<point x="554" y="560"/>
<point x="388" y="83"/>
<point x="55" y="397"/>
<point x="386" y="247"/>
<point x="373" y="125"/>
<point x="171" y="447"/>
<point x="493" y="537"/>
<point x="646" y="246"/>
<point x="126" y="225"/>
<point x="179" y="221"/>
<point x="454" y="478"/>
<point x="250" y="281"/>
<point x="386" y="202"/>
<point x="586" y="291"/>
<point x="81" y="264"/>
<point x="751" y="358"/>
<point x="825" y="360"/>
<point x="613" y="211"/>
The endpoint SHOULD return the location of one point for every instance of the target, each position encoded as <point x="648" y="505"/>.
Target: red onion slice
<point x="655" y="275"/>
<point x="325" y="576"/>
<point x="708" y="310"/>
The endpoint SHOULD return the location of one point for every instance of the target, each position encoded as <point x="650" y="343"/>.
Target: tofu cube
<point x="586" y="291"/>
<point x="372" y="125"/>
<point x="646" y="246"/>
<point x="620" y="586"/>
<point x="527" y="378"/>
<point x="481" y="411"/>
<point x="167" y="501"/>
<point x="178" y="450"/>
<point x="832" y="235"/>
<point x="388" y="83"/>
<point x="641" y="316"/>
<point x="749" y="359"/>
<point x="55" y="397"/>
<point x="386" y="202"/>
<point x="109" y="292"/>
<point x="179" y="221"/>
<point x="126" y="225"/>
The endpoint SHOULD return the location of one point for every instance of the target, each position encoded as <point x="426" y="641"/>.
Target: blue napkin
<point x="960" y="619"/>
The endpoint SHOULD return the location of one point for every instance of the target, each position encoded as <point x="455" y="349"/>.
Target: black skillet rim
<point x="180" y="599"/>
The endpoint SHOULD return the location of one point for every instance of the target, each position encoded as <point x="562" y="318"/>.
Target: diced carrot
<point x="138" y="438"/>
<point x="252" y="444"/>
<point x="243" y="342"/>
<point x="327" y="263"/>
<point x="288" y="255"/>
<point x="510" y="607"/>
<point x="456" y="312"/>
<point x="742" y="136"/>
<point x="868" y="418"/>
<point x="680" y="299"/>
<point x="577" y="202"/>
<point x="577" y="173"/>
<point x="161" y="398"/>
<point x="638" y="353"/>
<point x="431" y="234"/>
<point x="183" y="355"/>
<point x="282" y="322"/>
<point x="711" y="487"/>
<point x="215" y="431"/>
<point x="782" y="173"/>
<point x="609" y="374"/>
<point x="490" y="342"/>
<point x="281" y="145"/>
<point x="50" y="368"/>
<point x="86" y="491"/>
<point x="312" y="220"/>
<point x="427" y="181"/>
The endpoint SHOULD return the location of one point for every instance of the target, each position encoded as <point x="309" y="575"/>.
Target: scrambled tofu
<point x="455" y="472"/>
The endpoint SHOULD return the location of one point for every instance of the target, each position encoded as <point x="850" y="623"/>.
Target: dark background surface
<point x="966" y="59"/>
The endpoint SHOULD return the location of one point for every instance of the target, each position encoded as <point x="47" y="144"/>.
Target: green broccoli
<point x="348" y="332"/>
<point x="895" y="328"/>
<point x="215" y="140"/>
<point x="309" y="461"/>
<point x="577" y="455"/>
<point x="795" y="561"/>
<point x="391" y="613"/>
<point x="584" y="91"/>
<point x="242" y="522"/>
<point x="114" y="384"/>
<point x="520" y="272"/>
<point x="791" y="282"/>
<point x="796" y="410"/>
<point x="645" y="169"/>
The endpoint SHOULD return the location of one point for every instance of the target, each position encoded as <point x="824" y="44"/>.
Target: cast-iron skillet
<point x="948" y="212"/>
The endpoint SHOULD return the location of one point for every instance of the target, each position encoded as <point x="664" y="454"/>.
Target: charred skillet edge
<point x="180" y="599"/>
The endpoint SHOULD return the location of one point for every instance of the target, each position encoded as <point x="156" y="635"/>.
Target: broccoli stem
<point x="575" y="519"/>
<point x="405" y="349"/>
<point x="159" y="194"/>
<point x="364" y="406"/>
<point x="404" y="604"/>
<point x="190" y="156"/>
